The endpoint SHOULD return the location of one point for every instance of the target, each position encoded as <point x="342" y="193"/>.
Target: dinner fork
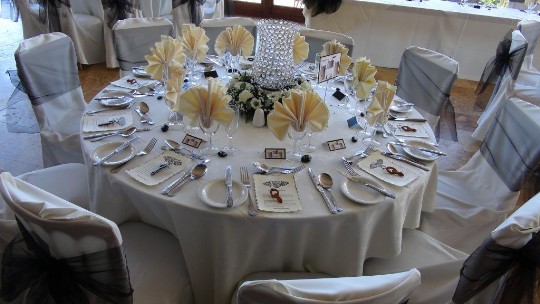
<point x="144" y="151"/>
<point x="244" y="176"/>
<point x="362" y="154"/>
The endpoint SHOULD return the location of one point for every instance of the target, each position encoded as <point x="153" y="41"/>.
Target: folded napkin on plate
<point x="334" y="47"/>
<point x="194" y="42"/>
<point x="300" y="48"/>
<point x="377" y="110"/>
<point x="166" y="52"/>
<point x="205" y="104"/>
<point x="363" y="77"/>
<point x="234" y="39"/>
<point x="174" y="89"/>
<point x="298" y="110"/>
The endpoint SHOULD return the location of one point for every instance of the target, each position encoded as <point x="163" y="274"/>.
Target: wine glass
<point x="308" y="147"/>
<point x="371" y="141"/>
<point x="227" y="60"/>
<point x="209" y="129"/>
<point x="175" y="120"/>
<point x="191" y="64"/>
<point x="231" y="129"/>
<point x="295" y="136"/>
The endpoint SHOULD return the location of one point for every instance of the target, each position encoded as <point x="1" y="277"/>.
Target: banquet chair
<point x="133" y="39"/>
<point x="47" y="67"/>
<point x="503" y="268"/>
<point x="190" y="12"/>
<point x="103" y="262"/>
<point x="474" y="199"/>
<point x="516" y="46"/>
<point x="316" y="39"/>
<point x="425" y="78"/>
<point x="32" y="25"/>
<point x="290" y="288"/>
<point x="213" y="27"/>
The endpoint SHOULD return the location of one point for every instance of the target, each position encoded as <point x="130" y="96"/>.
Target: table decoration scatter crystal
<point x="273" y="67"/>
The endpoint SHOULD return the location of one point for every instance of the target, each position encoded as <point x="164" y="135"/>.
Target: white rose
<point x="245" y="96"/>
<point x="255" y="103"/>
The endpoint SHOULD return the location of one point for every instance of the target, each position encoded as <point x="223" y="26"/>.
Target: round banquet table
<point x="223" y="245"/>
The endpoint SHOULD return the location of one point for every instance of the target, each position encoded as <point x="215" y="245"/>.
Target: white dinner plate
<point x="122" y="157"/>
<point x="360" y="193"/>
<point x="140" y="72"/>
<point x="418" y="154"/>
<point x="124" y="99"/>
<point x="214" y="193"/>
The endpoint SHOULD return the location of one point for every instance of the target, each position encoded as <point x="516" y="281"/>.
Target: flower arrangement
<point x="250" y="96"/>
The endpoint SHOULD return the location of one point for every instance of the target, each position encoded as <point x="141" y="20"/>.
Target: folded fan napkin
<point x="380" y="104"/>
<point x="174" y="88"/>
<point x="333" y="47"/>
<point x="205" y="104"/>
<point x="234" y="39"/>
<point x="363" y="77"/>
<point x="298" y="110"/>
<point x="166" y="52"/>
<point x="300" y="48"/>
<point x="194" y="42"/>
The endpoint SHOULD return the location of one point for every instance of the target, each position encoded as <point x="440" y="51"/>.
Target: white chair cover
<point x="528" y="93"/>
<point x="530" y="29"/>
<point x="438" y="264"/>
<point x="133" y="39"/>
<point x="31" y="24"/>
<point x="213" y="27"/>
<point x="503" y="91"/>
<point x="47" y="68"/>
<point x="316" y="39"/>
<point x="390" y="288"/>
<point x="425" y="78"/>
<point x="71" y="232"/>
<point x="507" y="259"/>
<point x="474" y="199"/>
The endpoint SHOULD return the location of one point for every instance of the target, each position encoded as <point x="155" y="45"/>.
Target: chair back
<point x="530" y="29"/>
<point x="134" y="37"/>
<point x="59" y="104"/>
<point x="503" y="269"/>
<point x="213" y="27"/>
<point x="32" y="23"/>
<point x="316" y="39"/>
<point x="425" y="78"/>
<point x="74" y="252"/>
<point x="390" y="288"/>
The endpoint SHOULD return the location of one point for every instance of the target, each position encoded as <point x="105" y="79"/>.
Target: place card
<point x="337" y="144"/>
<point x="328" y="67"/>
<point x="379" y="171"/>
<point x="160" y="168"/>
<point x="275" y="153"/>
<point x="192" y="141"/>
<point x="276" y="193"/>
<point x="107" y="121"/>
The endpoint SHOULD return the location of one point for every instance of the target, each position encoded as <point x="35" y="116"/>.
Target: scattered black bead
<point x="222" y="153"/>
<point x="354" y="139"/>
<point x="306" y="158"/>
<point x="165" y="128"/>
<point x="159" y="97"/>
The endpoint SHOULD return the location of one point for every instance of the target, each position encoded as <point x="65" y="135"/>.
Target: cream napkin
<point x="194" y="42"/>
<point x="234" y="39"/>
<point x="363" y="77"/>
<point x="333" y="47"/>
<point x="174" y="89"/>
<point x="300" y="48"/>
<point x="380" y="104"/>
<point x="166" y="52"/>
<point x="298" y="110"/>
<point x="205" y="104"/>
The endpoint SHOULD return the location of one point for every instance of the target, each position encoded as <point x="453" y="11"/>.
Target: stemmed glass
<point x="356" y="107"/>
<point x="175" y="120"/>
<point x="296" y="135"/>
<point x="227" y="60"/>
<point x="209" y="129"/>
<point x="231" y="131"/>
<point x="371" y="141"/>
<point x="191" y="64"/>
<point x="308" y="147"/>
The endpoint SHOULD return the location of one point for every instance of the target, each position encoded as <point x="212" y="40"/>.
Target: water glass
<point x="295" y="136"/>
<point x="209" y="131"/>
<point x="231" y="129"/>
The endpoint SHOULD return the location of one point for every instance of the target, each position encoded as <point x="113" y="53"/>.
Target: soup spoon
<point x="197" y="172"/>
<point x="326" y="181"/>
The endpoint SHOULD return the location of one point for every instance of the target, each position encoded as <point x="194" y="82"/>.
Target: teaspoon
<point x="326" y="181"/>
<point x="143" y="110"/>
<point x="126" y="133"/>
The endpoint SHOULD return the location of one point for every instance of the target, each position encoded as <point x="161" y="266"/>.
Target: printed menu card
<point x="277" y="193"/>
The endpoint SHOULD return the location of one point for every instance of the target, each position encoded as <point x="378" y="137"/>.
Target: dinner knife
<point x="407" y="119"/>
<point x="403" y="159"/>
<point x="321" y="191"/>
<point x="419" y="148"/>
<point x="371" y="186"/>
<point x="116" y="151"/>
<point x="228" y="183"/>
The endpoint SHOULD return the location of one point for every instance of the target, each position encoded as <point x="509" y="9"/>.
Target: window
<point x="276" y="9"/>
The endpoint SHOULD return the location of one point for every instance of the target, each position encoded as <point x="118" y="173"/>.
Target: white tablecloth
<point x="383" y="29"/>
<point x="222" y="246"/>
